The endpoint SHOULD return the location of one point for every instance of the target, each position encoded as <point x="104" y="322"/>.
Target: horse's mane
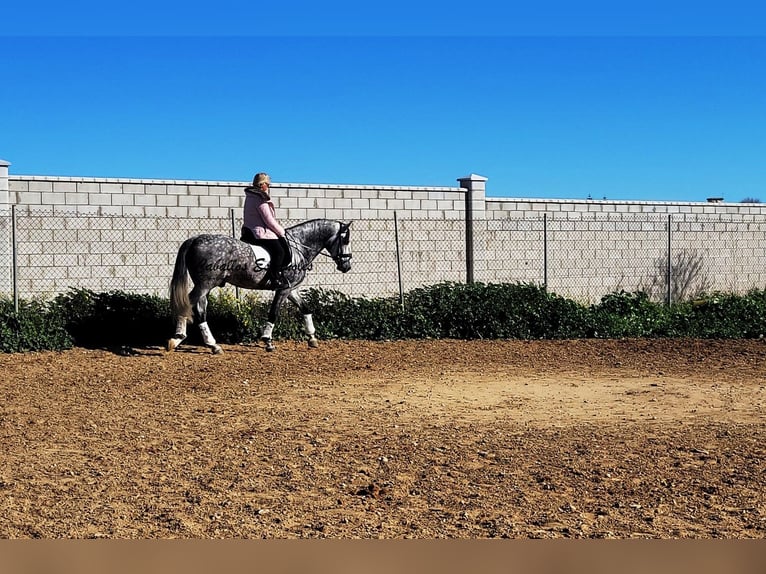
<point x="310" y="223"/>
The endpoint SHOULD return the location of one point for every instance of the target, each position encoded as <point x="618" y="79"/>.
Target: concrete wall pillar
<point x="475" y="186"/>
<point x="475" y="209"/>
<point x="5" y="193"/>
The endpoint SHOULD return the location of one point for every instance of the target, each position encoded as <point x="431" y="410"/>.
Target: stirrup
<point x="279" y="282"/>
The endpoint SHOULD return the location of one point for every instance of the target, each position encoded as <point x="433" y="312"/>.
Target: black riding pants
<point x="278" y="249"/>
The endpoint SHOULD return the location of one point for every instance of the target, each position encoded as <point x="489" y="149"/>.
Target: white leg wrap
<point x="181" y="326"/>
<point x="207" y="336"/>
<point x="308" y="325"/>
<point x="267" y="330"/>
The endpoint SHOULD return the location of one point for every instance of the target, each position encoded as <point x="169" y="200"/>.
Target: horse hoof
<point x="313" y="343"/>
<point x="217" y="350"/>
<point x="268" y="343"/>
<point x="174" y="342"/>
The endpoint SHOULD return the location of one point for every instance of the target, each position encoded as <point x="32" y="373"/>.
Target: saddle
<point x="262" y="256"/>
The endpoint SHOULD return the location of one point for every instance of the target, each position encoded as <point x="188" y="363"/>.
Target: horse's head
<point x="340" y="248"/>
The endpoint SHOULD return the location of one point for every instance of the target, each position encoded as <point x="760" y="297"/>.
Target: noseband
<point x="341" y="239"/>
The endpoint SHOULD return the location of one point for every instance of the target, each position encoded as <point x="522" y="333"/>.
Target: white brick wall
<point x="295" y="201"/>
<point x="106" y="234"/>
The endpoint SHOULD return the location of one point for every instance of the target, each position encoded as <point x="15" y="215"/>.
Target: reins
<point x="340" y="256"/>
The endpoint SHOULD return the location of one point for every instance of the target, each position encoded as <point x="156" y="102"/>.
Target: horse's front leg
<point x="308" y="321"/>
<point x="268" y="327"/>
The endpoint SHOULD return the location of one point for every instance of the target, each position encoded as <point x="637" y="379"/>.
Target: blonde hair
<point x="261" y="178"/>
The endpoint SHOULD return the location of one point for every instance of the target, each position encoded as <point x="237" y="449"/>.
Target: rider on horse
<point x="260" y="227"/>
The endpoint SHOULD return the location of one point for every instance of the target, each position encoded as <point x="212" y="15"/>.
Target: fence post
<point x="398" y="261"/>
<point x="5" y="202"/>
<point x="545" y="251"/>
<point x="475" y="189"/>
<point x="234" y="235"/>
<point x="669" y="270"/>
<point x="14" y="263"/>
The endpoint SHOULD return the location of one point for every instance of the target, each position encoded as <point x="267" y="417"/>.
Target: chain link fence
<point x="588" y="259"/>
<point x="579" y="258"/>
<point x="6" y="253"/>
<point x="666" y="256"/>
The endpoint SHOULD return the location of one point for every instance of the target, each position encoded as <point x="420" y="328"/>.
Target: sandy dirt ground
<point x="414" y="439"/>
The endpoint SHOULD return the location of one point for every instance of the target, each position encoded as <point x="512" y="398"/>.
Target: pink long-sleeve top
<point x="260" y="216"/>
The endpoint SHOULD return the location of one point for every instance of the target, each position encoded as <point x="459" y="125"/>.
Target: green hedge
<point x="113" y="318"/>
<point x="37" y="326"/>
<point x="445" y="310"/>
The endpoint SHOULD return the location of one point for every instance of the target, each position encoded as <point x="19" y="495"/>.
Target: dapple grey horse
<point x="210" y="261"/>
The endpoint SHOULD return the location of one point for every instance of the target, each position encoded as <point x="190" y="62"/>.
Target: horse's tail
<point x="179" y="285"/>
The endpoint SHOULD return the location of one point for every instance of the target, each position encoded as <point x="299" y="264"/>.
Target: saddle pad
<point x="262" y="257"/>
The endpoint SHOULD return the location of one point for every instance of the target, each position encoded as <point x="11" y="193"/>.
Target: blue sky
<point x="624" y="100"/>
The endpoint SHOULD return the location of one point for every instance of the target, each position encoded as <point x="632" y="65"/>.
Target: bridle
<point x="342" y="238"/>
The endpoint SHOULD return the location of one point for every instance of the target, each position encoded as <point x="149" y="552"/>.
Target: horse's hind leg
<point x="198" y="299"/>
<point x="180" y="334"/>
<point x="308" y="321"/>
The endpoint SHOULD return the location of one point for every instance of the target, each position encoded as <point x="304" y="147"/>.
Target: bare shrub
<point x="688" y="278"/>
